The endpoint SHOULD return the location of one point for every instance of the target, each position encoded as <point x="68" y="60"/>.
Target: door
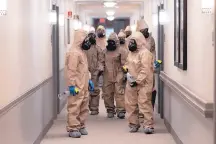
<point x="160" y="57"/>
<point x="55" y="59"/>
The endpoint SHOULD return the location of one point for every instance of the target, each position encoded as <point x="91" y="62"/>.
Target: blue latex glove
<point x="157" y="63"/>
<point x="91" y="86"/>
<point x="73" y="90"/>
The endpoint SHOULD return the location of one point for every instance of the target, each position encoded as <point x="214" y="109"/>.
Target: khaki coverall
<point x="140" y="66"/>
<point x="150" y="45"/>
<point x="77" y="74"/>
<point x="95" y="64"/>
<point x="113" y="76"/>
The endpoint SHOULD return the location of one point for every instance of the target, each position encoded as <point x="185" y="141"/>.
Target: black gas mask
<point x="122" y="41"/>
<point x="86" y="44"/>
<point x="92" y="38"/>
<point x="145" y="32"/>
<point x="132" y="45"/>
<point x="128" y="33"/>
<point x="111" y="45"/>
<point x="101" y="35"/>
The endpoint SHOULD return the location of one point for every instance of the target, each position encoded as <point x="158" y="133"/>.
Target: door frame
<point x="161" y="38"/>
<point x="55" y="60"/>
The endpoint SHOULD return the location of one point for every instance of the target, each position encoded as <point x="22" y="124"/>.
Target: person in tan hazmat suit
<point x="122" y="40"/>
<point x="115" y="58"/>
<point x="142" y="27"/>
<point x="138" y="92"/>
<point x="95" y="63"/>
<point x="77" y="77"/>
<point x="101" y="42"/>
<point x="128" y="33"/>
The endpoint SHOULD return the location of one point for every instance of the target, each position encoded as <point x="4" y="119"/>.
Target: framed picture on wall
<point x="180" y="34"/>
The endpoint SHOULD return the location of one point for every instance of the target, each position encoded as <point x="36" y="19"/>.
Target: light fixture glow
<point x="61" y="20"/>
<point x="3" y="7"/>
<point x="110" y="18"/>
<point x="52" y="17"/>
<point x="110" y="13"/>
<point x="86" y="28"/>
<point x="155" y="19"/>
<point x="133" y="27"/>
<point x="163" y="17"/>
<point x="110" y="4"/>
<point x="207" y="6"/>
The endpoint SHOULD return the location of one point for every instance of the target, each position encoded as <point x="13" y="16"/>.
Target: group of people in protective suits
<point x="93" y="57"/>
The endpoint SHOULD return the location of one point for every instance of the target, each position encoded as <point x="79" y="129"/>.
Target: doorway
<point x="160" y="57"/>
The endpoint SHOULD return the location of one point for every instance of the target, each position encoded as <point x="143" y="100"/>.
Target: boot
<point x="94" y="113"/>
<point x="121" y="115"/>
<point x="74" y="134"/>
<point x="110" y="115"/>
<point x="83" y="131"/>
<point x="148" y="130"/>
<point x="134" y="128"/>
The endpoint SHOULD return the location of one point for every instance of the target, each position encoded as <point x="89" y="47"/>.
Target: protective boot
<point x="74" y="134"/>
<point x="154" y="93"/>
<point x="94" y="113"/>
<point x="121" y="115"/>
<point x="148" y="130"/>
<point x="83" y="131"/>
<point x="134" y="128"/>
<point x="110" y="115"/>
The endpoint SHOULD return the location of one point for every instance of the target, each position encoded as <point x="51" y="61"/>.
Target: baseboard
<point x="172" y="132"/>
<point x="44" y="132"/>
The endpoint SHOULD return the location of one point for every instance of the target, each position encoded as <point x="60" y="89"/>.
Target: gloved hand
<point x="133" y="84"/>
<point x="100" y="73"/>
<point x="73" y="90"/>
<point x="91" y="86"/>
<point x="124" y="69"/>
<point x="157" y="63"/>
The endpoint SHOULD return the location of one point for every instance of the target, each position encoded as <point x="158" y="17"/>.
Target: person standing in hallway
<point x="122" y="41"/>
<point x="95" y="63"/>
<point x="142" y="27"/>
<point x="115" y="58"/>
<point x="101" y="42"/>
<point x="138" y="92"/>
<point x="128" y="33"/>
<point x="78" y="82"/>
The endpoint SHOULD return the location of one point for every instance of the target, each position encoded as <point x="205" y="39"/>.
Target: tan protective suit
<point x="95" y="64"/>
<point x="128" y="29"/>
<point x="113" y="75"/>
<point x="150" y="40"/>
<point x="140" y="66"/>
<point x="141" y="24"/>
<point x="125" y="46"/>
<point x="77" y="74"/>
<point x="101" y="42"/>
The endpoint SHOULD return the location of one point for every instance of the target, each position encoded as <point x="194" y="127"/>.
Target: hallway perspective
<point x="106" y="131"/>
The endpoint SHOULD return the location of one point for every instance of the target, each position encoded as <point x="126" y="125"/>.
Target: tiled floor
<point x="106" y="131"/>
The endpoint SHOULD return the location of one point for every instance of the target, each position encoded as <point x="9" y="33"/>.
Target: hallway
<point x="106" y="131"/>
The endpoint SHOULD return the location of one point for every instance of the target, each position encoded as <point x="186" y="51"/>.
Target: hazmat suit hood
<point x="141" y="24"/>
<point x="121" y="34"/>
<point x="113" y="36"/>
<point x="101" y="42"/>
<point x="79" y="36"/>
<point x="140" y="40"/>
<point x="128" y="28"/>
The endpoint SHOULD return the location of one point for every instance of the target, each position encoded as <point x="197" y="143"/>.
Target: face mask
<point x="92" y="39"/>
<point x="122" y="41"/>
<point x="111" y="45"/>
<point x="132" y="45"/>
<point x="86" y="45"/>
<point x="128" y="33"/>
<point x="101" y="35"/>
<point x="145" y="32"/>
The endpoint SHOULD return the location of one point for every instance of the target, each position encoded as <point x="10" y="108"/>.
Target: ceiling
<point x="95" y="8"/>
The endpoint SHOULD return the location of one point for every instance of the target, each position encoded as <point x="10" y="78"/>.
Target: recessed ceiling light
<point x="110" y="18"/>
<point x="110" y="4"/>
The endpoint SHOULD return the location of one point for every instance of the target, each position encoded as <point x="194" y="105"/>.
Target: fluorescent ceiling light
<point x="109" y="4"/>
<point x="110" y="18"/>
<point x="110" y="13"/>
